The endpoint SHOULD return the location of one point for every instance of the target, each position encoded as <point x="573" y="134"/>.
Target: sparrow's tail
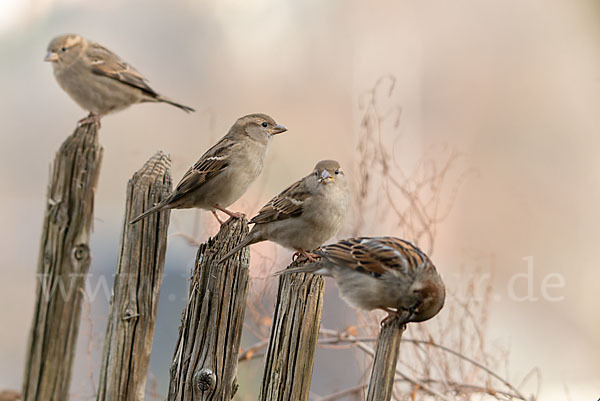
<point x="248" y="240"/>
<point x="164" y="99"/>
<point x="148" y="212"/>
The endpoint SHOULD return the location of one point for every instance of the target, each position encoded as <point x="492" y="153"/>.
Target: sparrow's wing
<point x="287" y="204"/>
<point x="106" y="63"/>
<point x="212" y="163"/>
<point x="376" y="256"/>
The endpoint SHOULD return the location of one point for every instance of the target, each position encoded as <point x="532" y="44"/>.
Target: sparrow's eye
<point x="264" y="124"/>
<point x="337" y="172"/>
<point x="316" y="173"/>
<point x="63" y="49"/>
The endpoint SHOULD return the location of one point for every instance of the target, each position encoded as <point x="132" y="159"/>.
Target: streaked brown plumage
<point x="304" y="215"/>
<point x="225" y="171"/>
<point x="97" y="79"/>
<point x="385" y="273"/>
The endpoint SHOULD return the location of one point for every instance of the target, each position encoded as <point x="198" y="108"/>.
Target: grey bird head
<point x="258" y="127"/>
<point x="328" y="172"/>
<point x="63" y="50"/>
<point x="327" y="176"/>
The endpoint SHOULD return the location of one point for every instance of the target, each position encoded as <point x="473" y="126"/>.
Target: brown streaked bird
<point x="97" y="79"/>
<point x="304" y="215"/>
<point x="226" y="170"/>
<point x="385" y="273"/>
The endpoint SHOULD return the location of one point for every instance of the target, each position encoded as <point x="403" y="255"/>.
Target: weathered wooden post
<point x="63" y="263"/>
<point x="291" y="352"/>
<point x="381" y="383"/>
<point x="205" y="361"/>
<point x="136" y="288"/>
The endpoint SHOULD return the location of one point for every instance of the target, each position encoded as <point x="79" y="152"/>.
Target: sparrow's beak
<point x="326" y="177"/>
<point x="51" y="56"/>
<point x="278" y="129"/>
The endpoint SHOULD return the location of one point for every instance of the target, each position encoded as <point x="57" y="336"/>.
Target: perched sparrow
<point x="97" y="79"/>
<point x="306" y="214"/>
<point x="382" y="273"/>
<point x="226" y="170"/>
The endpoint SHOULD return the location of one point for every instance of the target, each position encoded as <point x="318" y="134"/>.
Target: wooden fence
<point x="205" y="359"/>
<point x="137" y="282"/>
<point x="63" y="264"/>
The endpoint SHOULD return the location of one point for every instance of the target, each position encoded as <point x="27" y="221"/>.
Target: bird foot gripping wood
<point x="235" y="215"/>
<point x="232" y="215"/>
<point x="302" y="256"/>
<point x="92" y="118"/>
<point x="394" y="315"/>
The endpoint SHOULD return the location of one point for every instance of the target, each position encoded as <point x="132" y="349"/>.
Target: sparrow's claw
<point x="234" y="215"/>
<point x="393" y="315"/>
<point x="92" y="118"/>
<point x="302" y="256"/>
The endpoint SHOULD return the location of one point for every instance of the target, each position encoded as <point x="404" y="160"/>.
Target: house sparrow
<point x="97" y="79"/>
<point x="306" y="214"/>
<point x="226" y="170"/>
<point x="381" y="273"/>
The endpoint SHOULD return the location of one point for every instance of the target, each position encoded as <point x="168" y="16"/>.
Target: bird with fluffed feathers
<point x="97" y="79"/>
<point x="386" y="273"/>
<point x="304" y="215"/>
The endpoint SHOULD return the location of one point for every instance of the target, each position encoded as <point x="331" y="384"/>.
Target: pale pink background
<point x="514" y="84"/>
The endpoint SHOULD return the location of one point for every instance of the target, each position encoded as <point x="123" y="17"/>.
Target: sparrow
<point x="304" y="215"/>
<point x="97" y="79"/>
<point x="385" y="273"/>
<point x="226" y="170"/>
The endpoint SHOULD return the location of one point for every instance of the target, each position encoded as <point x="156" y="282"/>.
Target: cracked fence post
<point x="139" y="274"/>
<point x="63" y="264"/>
<point x="205" y="360"/>
<point x="291" y="352"/>
<point x="381" y="383"/>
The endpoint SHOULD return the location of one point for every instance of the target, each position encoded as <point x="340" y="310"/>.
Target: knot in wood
<point x="80" y="253"/>
<point x="205" y="380"/>
<point x="129" y="314"/>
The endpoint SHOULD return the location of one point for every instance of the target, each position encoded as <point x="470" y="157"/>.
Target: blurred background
<point x="506" y="94"/>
